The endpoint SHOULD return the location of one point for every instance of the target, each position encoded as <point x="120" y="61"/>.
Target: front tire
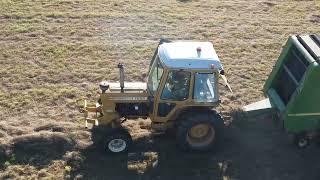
<point x="118" y="142"/>
<point x="113" y="140"/>
<point x="200" y="131"/>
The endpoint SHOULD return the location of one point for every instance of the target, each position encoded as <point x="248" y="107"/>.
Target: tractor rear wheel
<point x="199" y="131"/>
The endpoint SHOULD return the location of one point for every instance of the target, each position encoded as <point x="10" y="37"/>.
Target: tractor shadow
<point x="155" y="157"/>
<point x="158" y="157"/>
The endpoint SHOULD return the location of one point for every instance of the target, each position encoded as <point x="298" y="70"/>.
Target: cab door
<point x="154" y="83"/>
<point x="172" y="94"/>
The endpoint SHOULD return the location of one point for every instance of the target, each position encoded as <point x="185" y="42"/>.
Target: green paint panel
<point x="293" y="86"/>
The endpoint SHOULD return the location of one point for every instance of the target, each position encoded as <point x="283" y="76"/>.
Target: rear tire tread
<point x="190" y="119"/>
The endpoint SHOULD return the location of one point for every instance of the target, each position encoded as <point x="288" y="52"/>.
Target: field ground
<point x="53" y="52"/>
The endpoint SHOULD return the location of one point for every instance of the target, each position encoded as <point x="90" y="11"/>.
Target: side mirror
<point x="225" y="80"/>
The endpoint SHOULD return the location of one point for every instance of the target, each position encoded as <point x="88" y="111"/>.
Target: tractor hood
<point x="128" y="86"/>
<point x="133" y="92"/>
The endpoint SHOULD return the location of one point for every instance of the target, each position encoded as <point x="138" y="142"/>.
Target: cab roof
<point x="189" y="55"/>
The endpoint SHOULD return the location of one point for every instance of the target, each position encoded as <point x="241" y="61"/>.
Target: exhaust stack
<point x="121" y="71"/>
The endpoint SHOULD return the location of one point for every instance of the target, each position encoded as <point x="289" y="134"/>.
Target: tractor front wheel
<point x="114" y="140"/>
<point x="118" y="142"/>
<point x="199" y="131"/>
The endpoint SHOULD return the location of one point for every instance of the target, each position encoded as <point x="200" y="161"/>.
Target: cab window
<point x="155" y="77"/>
<point x="204" y="87"/>
<point x="177" y="86"/>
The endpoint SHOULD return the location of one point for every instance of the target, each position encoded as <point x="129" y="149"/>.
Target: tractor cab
<point x="182" y="75"/>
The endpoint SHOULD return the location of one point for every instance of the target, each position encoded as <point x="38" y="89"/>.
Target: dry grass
<point x="55" y="51"/>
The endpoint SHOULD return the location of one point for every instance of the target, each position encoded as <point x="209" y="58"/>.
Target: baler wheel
<point x="301" y="140"/>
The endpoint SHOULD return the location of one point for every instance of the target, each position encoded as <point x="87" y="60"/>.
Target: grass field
<point x="53" y="52"/>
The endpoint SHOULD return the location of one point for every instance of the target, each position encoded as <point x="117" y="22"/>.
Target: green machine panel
<point x="293" y="86"/>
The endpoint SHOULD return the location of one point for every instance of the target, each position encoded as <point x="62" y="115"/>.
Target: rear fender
<point x="190" y="111"/>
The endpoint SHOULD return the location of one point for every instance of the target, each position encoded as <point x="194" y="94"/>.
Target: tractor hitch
<point x="85" y="109"/>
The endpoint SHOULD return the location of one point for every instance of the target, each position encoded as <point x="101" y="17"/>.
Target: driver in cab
<point x="177" y="86"/>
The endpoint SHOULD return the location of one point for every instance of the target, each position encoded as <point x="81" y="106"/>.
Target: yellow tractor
<point x="181" y="93"/>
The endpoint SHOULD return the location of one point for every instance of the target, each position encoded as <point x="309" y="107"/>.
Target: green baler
<point x="293" y="87"/>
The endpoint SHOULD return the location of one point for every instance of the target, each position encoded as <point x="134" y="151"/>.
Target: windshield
<point x="155" y="77"/>
<point x="204" y="89"/>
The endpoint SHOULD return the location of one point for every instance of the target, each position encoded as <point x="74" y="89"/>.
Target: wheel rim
<point x="117" y="145"/>
<point x="302" y="143"/>
<point x="201" y="135"/>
